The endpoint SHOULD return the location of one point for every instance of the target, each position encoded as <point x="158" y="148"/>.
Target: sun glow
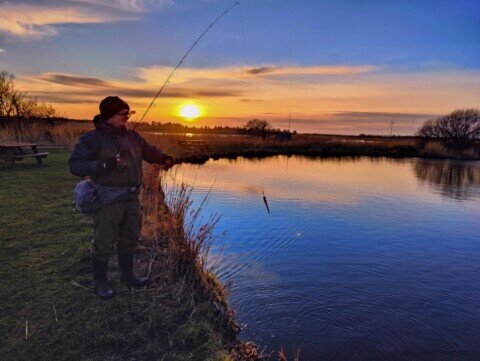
<point x="189" y="111"/>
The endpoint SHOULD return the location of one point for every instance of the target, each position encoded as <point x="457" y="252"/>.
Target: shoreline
<point x="202" y="158"/>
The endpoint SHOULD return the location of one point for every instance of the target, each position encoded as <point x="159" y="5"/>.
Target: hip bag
<point x="89" y="197"/>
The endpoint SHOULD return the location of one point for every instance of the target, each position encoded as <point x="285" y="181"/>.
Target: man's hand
<point x="109" y="163"/>
<point x="167" y="161"/>
<point x="170" y="161"/>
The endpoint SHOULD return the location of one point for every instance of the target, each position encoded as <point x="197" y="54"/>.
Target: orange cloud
<point x="38" y="21"/>
<point x="160" y="73"/>
<point x="35" y="21"/>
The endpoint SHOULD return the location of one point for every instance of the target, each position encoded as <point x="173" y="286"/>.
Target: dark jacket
<point x="105" y="142"/>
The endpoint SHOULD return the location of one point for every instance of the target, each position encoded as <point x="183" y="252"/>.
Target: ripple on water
<point x="342" y="319"/>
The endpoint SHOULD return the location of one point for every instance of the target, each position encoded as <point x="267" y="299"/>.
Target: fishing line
<point x="183" y="58"/>
<point x="249" y="82"/>
<point x="242" y="28"/>
<point x="245" y="54"/>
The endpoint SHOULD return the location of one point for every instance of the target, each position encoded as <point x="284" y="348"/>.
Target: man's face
<point x="120" y="119"/>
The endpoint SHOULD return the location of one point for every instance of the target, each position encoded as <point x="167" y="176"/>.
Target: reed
<point x="309" y="145"/>
<point x="228" y="146"/>
<point x="64" y="135"/>
<point x="282" y="355"/>
<point x="177" y="240"/>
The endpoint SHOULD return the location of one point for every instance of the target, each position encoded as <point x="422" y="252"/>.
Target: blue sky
<point x="341" y="66"/>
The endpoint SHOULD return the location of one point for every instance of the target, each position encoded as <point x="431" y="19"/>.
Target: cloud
<point x="241" y="73"/>
<point x="311" y="70"/>
<point x="233" y="81"/>
<point x="251" y="100"/>
<point x="125" y="5"/>
<point x="73" y="80"/>
<point x="2" y="51"/>
<point x="78" y="89"/>
<point x="382" y="115"/>
<point x="35" y="21"/>
<point x="262" y="70"/>
<point x="30" y="20"/>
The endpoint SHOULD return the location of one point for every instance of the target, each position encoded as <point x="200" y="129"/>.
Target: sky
<point x="346" y="67"/>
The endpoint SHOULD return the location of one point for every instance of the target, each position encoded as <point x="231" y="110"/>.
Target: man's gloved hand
<point x="109" y="163"/>
<point x="167" y="160"/>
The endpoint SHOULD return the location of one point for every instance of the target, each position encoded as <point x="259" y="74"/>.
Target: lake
<point x="359" y="259"/>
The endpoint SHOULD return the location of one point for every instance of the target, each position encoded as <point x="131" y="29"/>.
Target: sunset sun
<point x="190" y="111"/>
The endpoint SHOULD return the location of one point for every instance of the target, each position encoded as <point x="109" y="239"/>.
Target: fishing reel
<point x="122" y="165"/>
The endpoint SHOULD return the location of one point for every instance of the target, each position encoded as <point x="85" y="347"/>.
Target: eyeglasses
<point x="127" y="114"/>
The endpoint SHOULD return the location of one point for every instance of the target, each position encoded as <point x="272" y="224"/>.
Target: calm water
<point x="360" y="259"/>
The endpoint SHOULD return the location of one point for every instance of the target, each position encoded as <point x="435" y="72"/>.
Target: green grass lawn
<point x="45" y="279"/>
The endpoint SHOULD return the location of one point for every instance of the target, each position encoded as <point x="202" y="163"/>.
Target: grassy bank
<point x="48" y="311"/>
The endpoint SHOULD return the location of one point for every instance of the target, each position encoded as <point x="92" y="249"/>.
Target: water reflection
<point x="454" y="179"/>
<point x="356" y="260"/>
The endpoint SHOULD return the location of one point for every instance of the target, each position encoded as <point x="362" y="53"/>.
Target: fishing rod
<point x="183" y="58"/>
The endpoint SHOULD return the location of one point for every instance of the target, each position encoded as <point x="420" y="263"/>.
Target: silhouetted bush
<point x="460" y="127"/>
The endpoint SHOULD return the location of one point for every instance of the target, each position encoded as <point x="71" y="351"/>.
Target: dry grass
<point x="310" y="145"/>
<point x="170" y="222"/>
<point x="227" y="146"/>
<point x="177" y="242"/>
<point x="64" y="135"/>
<point x="283" y="355"/>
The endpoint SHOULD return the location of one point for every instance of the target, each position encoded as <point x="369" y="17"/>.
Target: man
<point x="112" y="157"/>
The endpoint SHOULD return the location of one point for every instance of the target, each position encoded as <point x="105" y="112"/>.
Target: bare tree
<point x="461" y="125"/>
<point x="6" y="92"/>
<point x="258" y="127"/>
<point x="17" y="105"/>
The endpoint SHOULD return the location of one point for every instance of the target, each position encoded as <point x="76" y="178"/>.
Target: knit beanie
<point x="111" y="106"/>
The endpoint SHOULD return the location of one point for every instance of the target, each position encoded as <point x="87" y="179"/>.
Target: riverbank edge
<point x="50" y="311"/>
<point x="196" y="158"/>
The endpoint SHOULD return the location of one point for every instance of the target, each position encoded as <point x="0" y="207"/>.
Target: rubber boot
<point x="101" y="286"/>
<point x="125" y="262"/>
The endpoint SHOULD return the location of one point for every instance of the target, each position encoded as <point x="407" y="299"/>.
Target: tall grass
<point x="175" y="232"/>
<point x="283" y="355"/>
<point x="64" y="135"/>
<point x="177" y="240"/>
<point x="232" y="146"/>
<point x="171" y="221"/>
<point x="309" y="145"/>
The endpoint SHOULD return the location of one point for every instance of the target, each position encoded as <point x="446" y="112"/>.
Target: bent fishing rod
<point x="181" y="62"/>
<point x="183" y="58"/>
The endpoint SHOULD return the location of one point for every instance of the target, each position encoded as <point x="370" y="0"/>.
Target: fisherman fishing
<point x="111" y="155"/>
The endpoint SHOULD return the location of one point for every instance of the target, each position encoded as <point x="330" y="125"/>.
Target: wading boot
<point x="125" y="262"/>
<point x="100" y="282"/>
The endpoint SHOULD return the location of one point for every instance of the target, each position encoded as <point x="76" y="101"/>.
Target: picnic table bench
<point x="13" y="151"/>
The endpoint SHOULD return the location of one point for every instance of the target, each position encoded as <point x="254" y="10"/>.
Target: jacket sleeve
<point x="84" y="159"/>
<point x="151" y="154"/>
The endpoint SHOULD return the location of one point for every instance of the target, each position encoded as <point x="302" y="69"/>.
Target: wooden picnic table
<point x="13" y="151"/>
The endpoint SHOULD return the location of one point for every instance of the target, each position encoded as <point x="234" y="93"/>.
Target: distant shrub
<point x="258" y="127"/>
<point x="460" y="126"/>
